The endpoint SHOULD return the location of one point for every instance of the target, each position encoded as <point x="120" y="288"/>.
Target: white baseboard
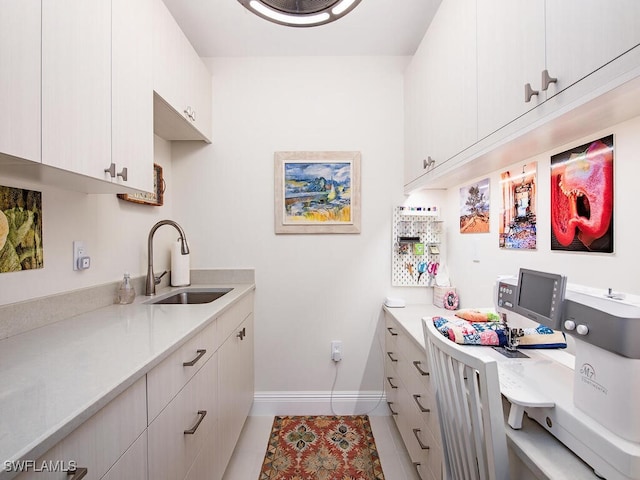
<point x="319" y="403"/>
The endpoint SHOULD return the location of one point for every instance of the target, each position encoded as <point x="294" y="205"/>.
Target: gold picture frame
<point x="317" y="192"/>
<point x="155" y="198"/>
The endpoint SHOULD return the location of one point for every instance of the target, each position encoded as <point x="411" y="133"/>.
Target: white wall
<point x="114" y="231"/>
<point x="311" y="289"/>
<point x="619" y="270"/>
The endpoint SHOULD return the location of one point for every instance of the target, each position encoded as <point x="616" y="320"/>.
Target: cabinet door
<point x="511" y="53"/>
<point x="236" y="387"/>
<point x="133" y="464"/>
<point x="584" y="35"/>
<point x="181" y="81"/>
<point x="20" y="78"/>
<point x="440" y="83"/>
<point x="132" y="91"/>
<point x="76" y="86"/>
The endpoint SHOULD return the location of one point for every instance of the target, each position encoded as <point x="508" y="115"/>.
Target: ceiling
<point x="223" y="28"/>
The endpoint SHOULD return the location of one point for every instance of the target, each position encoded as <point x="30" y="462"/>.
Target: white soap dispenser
<point x="126" y="292"/>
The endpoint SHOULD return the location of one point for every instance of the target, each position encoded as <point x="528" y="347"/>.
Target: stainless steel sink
<point x="190" y="296"/>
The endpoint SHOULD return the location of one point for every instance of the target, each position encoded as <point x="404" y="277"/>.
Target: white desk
<point x="533" y="452"/>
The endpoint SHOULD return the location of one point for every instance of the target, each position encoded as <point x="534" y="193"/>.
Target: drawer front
<point x="417" y="358"/>
<point x="172" y="451"/>
<point x="98" y="443"/>
<point x="166" y="379"/>
<point x="230" y="320"/>
<point x="133" y="464"/>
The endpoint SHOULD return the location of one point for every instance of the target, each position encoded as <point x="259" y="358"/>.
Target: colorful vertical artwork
<point x="20" y="229"/>
<point x="582" y="198"/>
<point x="518" y="213"/>
<point x="474" y="208"/>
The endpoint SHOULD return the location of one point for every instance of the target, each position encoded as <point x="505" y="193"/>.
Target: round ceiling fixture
<point x="300" y="13"/>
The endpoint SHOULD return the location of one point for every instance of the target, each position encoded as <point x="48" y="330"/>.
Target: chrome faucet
<point x="152" y="280"/>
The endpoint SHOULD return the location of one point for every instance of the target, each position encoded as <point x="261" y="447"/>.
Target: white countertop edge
<point x="48" y="439"/>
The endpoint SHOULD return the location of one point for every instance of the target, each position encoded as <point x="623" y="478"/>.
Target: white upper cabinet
<point x="181" y="81"/>
<point x="132" y="91"/>
<point x="518" y="40"/>
<point x="76" y="86"/>
<point x="511" y="54"/>
<point x="20" y="78"/>
<point x="440" y="90"/>
<point x="584" y="35"/>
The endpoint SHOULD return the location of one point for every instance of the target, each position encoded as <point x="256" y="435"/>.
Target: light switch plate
<point x="78" y="252"/>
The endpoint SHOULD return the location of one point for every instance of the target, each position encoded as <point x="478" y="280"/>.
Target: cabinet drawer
<point x="133" y="464"/>
<point x="229" y="321"/>
<point x="98" y="443"/>
<point x="418" y="365"/>
<point x="166" y="380"/>
<point x="172" y="450"/>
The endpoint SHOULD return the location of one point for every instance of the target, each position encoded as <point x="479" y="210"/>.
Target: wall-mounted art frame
<point x="317" y="192"/>
<point x="21" y="246"/>
<point x="155" y="198"/>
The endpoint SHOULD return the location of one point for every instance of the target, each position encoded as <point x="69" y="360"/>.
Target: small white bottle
<point x="126" y="292"/>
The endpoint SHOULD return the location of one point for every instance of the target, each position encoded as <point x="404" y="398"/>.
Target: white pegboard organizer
<point x="423" y="224"/>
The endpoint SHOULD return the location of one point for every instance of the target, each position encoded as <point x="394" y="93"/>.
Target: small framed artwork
<point x="317" y="192"/>
<point x="156" y="197"/>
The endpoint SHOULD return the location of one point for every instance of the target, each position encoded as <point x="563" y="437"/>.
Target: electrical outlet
<point x="336" y="350"/>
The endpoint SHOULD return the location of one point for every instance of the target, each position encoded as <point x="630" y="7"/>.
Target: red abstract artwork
<point x="582" y="198"/>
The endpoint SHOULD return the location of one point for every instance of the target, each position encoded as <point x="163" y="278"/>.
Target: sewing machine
<point x="590" y="401"/>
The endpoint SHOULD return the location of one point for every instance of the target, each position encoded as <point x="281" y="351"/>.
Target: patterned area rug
<point x="321" y="448"/>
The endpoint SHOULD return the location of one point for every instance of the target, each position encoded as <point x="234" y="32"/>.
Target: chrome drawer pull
<point x="76" y="473"/>
<point x="391" y="409"/>
<point x="416" y="465"/>
<point x="242" y="333"/>
<point x="416" y="364"/>
<point x="392" y="385"/>
<point x="547" y="79"/>
<point x="529" y="92"/>
<point x="192" y="430"/>
<point x="198" y="357"/>
<point x="393" y="334"/>
<point x="390" y="356"/>
<point x="416" y="431"/>
<point x="422" y="409"/>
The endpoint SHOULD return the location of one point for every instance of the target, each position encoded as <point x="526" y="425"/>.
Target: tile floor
<point x="249" y="453"/>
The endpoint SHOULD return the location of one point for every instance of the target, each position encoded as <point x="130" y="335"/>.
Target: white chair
<point x="469" y="409"/>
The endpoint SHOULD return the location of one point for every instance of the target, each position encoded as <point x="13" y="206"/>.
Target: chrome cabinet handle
<point x="192" y="430"/>
<point x="391" y="409"/>
<point x="393" y="334"/>
<point x="529" y="92"/>
<point x="123" y="174"/>
<point x="416" y="363"/>
<point x="428" y="162"/>
<point x="422" y="409"/>
<point x="416" y="465"/>
<point x="198" y="357"/>
<point x="390" y="356"/>
<point x="242" y="333"/>
<point x="416" y="431"/>
<point x="111" y="170"/>
<point x="390" y="383"/>
<point x="190" y="113"/>
<point x="547" y="80"/>
<point x="77" y="473"/>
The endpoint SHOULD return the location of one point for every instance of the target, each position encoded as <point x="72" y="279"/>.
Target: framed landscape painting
<point x="317" y="192"/>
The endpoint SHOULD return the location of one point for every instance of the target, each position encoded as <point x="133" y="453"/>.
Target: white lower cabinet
<point x="179" y="433"/>
<point x="100" y="441"/>
<point x="411" y="399"/>
<point x="236" y="386"/>
<point x="133" y="464"/>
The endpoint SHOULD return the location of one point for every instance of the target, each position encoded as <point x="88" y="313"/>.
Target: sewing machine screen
<point x="540" y="296"/>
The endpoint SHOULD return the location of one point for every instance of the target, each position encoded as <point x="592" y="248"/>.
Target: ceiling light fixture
<point x="300" y="13"/>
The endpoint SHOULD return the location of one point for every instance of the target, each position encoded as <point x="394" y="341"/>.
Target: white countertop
<point x="55" y="377"/>
<point x="542" y="454"/>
